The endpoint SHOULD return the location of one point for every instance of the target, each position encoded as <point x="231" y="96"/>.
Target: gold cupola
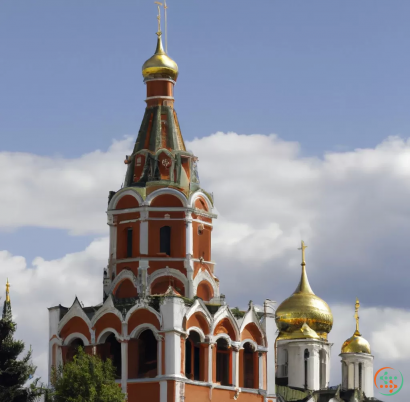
<point x="160" y="65"/>
<point x="303" y="314"/>
<point x="356" y="343"/>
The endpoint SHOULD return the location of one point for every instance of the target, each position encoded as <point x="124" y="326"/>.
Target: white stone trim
<point x="223" y="336"/>
<point x="160" y="97"/>
<point x="251" y="317"/>
<point x="136" y="332"/>
<point x="198" y="330"/>
<point x="225" y="312"/>
<point x="204" y="275"/>
<point x="253" y="343"/>
<point x="123" y="275"/>
<point x="200" y="194"/>
<point x="105" y="334"/>
<point x="166" y="272"/>
<point x="199" y="307"/>
<point x="75" y="311"/>
<point x="164" y="191"/>
<point x="121" y="193"/>
<point x="108" y="307"/>
<point x="143" y="307"/>
<point x="76" y="335"/>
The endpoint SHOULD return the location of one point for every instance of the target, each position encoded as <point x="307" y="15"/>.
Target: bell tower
<point x="163" y="323"/>
<point x="161" y="220"/>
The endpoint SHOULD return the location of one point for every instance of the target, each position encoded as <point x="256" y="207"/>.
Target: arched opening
<point x="285" y="363"/>
<point x="165" y="240"/>
<point x="360" y="376"/>
<point x="248" y="366"/>
<point x="193" y="357"/>
<point x="72" y="349"/>
<point x="205" y="291"/>
<point x="306" y="358"/>
<point x="114" y="353"/>
<point x="126" y="290"/>
<point x="142" y="356"/>
<point x="322" y="369"/>
<point x="222" y="362"/>
<point x="161" y="285"/>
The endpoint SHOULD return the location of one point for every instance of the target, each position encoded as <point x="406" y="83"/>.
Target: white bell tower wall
<point x="357" y="372"/>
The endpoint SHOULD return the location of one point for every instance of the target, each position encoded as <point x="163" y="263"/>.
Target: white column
<point x="235" y="367"/>
<point x="189" y="234"/>
<point x="162" y="391"/>
<point x="368" y="379"/>
<point x="350" y="379"/>
<point x="270" y="330"/>
<point x="124" y="366"/>
<point x="311" y="372"/>
<point x="210" y="361"/>
<point x="260" y="361"/>
<point x="143" y="271"/>
<point x="172" y="354"/>
<point x="113" y="241"/>
<point x="159" y="357"/>
<point x="356" y="375"/>
<point x="144" y="233"/>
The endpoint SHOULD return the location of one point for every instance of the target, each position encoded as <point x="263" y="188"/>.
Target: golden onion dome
<point x="303" y="307"/>
<point x="356" y="343"/>
<point x="160" y="64"/>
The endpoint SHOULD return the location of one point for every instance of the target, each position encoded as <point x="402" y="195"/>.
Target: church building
<point x="163" y="321"/>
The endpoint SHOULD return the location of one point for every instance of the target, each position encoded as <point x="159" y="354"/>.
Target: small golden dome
<point x="303" y="307"/>
<point x="305" y="332"/>
<point x="356" y="343"/>
<point x="160" y="64"/>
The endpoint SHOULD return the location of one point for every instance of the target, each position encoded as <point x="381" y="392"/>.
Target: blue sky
<point x="330" y="75"/>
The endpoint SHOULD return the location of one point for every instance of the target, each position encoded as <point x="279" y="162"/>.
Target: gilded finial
<point x="8" y="291"/>
<point x="356" y="316"/>
<point x="303" y="247"/>
<point x="159" y="17"/>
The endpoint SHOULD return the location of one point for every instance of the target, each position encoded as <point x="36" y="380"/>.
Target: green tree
<point x="14" y="372"/>
<point x="85" y="379"/>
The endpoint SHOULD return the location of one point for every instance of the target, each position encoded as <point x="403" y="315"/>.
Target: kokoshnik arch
<point x="163" y="322"/>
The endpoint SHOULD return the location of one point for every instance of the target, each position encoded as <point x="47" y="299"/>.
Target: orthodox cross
<point x="159" y="17"/>
<point x="8" y="291"/>
<point x="166" y="34"/>
<point x="303" y="247"/>
<point x="356" y="316"/>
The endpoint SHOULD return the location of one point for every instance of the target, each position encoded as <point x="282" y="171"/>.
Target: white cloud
<point x="44" y="284"/>
<point x="351" y="208"/>
<point x="54" y="192"/>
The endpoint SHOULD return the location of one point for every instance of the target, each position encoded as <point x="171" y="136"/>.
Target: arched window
<point x="129" y="242"/>
<point x="306" y="358"/>
<point x="72" y="349"/>
<point x="147" y="355"/>
<point x="111" y="349"/>
<point x="165" y="240"/>
<point x="285" y="363"/>
<point x="193" y="359"/>
<point x="360" y="376"/>
<point x="248" y="366"/>
<point x="322" y="369"/>
<point x="222" y="361"/>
